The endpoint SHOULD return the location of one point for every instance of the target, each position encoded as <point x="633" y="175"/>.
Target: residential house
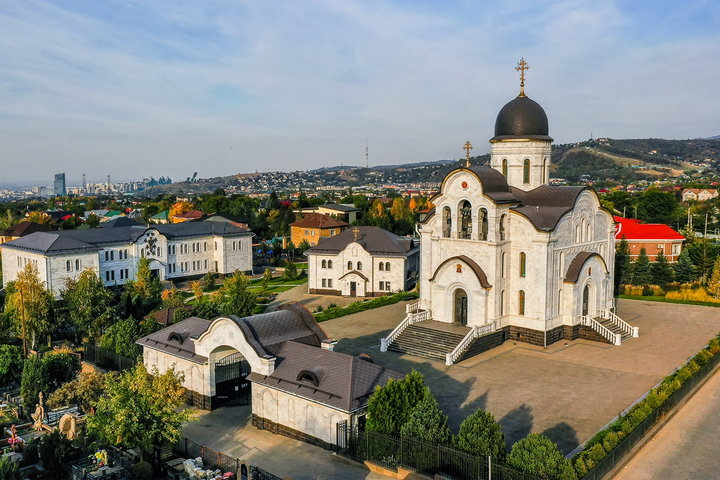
<point x="313" y="227"/>
<point x="653" y="237"/>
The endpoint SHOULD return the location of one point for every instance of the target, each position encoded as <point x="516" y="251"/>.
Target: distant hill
<point x="716" y="137"/>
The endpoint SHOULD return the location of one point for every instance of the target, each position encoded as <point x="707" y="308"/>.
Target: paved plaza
<point x="567" y="391"/>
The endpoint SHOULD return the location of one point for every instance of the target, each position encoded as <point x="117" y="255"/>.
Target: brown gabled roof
<point x="318" y="220"/>
<point x="23" y="228"/>
<point x="544" y="206"/>
<point x="374" y="240"/>
<point x="190" y="214"/>
<point x="175" y="339"/>
<point x="343" y="381"/>
<point x="165" y="316"/>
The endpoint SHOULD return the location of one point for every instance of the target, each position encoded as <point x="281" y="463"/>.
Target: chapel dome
<point x="521" y="118"/>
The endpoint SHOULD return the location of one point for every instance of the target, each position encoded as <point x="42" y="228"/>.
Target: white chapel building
<point x="507" y="255"/>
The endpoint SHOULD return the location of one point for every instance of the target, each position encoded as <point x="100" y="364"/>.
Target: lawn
<point x="660" y="298"/>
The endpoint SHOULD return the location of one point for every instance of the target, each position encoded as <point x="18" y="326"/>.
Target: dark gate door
<point x="585" y="300"/>
<point x="231" y="384"/>
<point x="461" y="307"/>
<point x="353" y="289"/>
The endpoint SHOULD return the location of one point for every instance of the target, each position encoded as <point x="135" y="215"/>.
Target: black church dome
<point x="521" y="118"/>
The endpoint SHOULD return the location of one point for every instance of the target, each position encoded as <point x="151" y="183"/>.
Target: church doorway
<point x="231" y="384"/>
<point x="353" y="289"/>
<point x="461" y="302"/>
<point x="585" y="300"/>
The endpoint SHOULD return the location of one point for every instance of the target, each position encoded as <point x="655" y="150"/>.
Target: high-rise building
<point x="60" y="185"/>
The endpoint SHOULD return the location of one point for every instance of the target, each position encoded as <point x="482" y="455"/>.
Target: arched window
<point x="577" y="233"/>
<point x="77" y="265"/>
<point x="112" y="254"/>
<point x="387" y="266"/>
<point x="382" y="266"/>
<point x="526" y="171"/>
<point x="544" y="171"/>
<point x="523" y="264"/>
<point x="502" y="302"/>
<point x="68" y="265"/>
<point x="501" y="230"/>
<point x="465" y="219"/>
<point x="447" y="222"/>
<point x="482" y="224"/>
<point x="329" y="264"/>
<point x="588" y="233"/>
<point x="583" y="231"/>
<point x="349" y="265"/>
<point x="502" y="265"/>
<point x="359" y="265"/>
<point x="521" y="302"/>
<point x="504" y="167"/>
<point x="324" y="264"/>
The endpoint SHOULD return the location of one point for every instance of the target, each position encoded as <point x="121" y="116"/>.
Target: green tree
<point x="304" y="245"/>
<point x="9" y="469"/>
<point x="54" y="450"/>
<point x="642" y="272"/>
<point x="656" y="206"/>
<point x="11" y="364"/>
<point x="267" y="276"/>
<point x="143" y="293"/>
<point x="171" y="298"/>
<point x="622" y="264"/>
<point x="389" y="406"/>
<point x="662" y="272"/>
<point x="237" y="299"/>
<point x="89" y="304"/>
<point x="480" y="434"/>
<point x="291" y="272"/>
<point x="121" y="336"/>
<point x="208" y="281"/>
<point x="140" y="409"/>
<point x="46" y="374"/>
<point x="685" y="271"/>
<point x="427" y="421"/>
<point x="84" y="391"/>
<point x="32" y="383"/>
<point x="30" y="302"/>
<point x="713" y="285"/>
<point x="538" y="455"/>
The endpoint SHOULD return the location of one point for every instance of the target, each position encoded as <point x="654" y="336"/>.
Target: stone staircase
<point x="614" y="328"/>
<point x="421" y="341"/>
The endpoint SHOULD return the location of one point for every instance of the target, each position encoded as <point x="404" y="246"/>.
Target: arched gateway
<point x="280" y="362"/>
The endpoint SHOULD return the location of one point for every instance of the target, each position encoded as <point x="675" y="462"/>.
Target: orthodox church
<point x="504" y="255"/>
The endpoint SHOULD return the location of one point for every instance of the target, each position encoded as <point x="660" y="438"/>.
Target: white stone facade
<point x="115" y="263"/>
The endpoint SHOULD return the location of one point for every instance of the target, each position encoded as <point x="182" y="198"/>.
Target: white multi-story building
<point x="363" y="262"/>
<point x="175" y="251"/>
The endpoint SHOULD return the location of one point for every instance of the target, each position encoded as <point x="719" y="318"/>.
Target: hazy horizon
<point x="136" y="89"/>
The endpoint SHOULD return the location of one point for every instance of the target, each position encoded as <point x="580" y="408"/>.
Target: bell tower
<point x="521" y="147"/>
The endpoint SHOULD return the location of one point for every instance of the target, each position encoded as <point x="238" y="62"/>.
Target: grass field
<point x="658" y="298"/>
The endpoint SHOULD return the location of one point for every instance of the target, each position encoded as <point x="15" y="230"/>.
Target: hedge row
<point x="605" y="440"/>
<point x="360" y="306"/>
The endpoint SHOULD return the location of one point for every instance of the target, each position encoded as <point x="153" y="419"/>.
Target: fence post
<point x="489" y="467"/>
<point x="186" y="454"/>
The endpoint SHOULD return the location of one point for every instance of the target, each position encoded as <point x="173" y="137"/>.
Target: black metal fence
<point x="423" y="457"/>
<point x="617" y="454"/>
<point x="212" y="458"/>
<point x="107" y="359"/>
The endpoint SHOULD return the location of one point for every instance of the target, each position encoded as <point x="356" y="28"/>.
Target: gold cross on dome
<point x="522" y="66"/>
<point x="468" y="146"/>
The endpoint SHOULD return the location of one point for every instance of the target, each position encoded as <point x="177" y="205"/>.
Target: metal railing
<point x="425" y="458"/>
<point x="614" y="338"/>
<point x="108" y="359"/>
<point x="474" y="333"/>
<point x="621" y="324"/>
<point x="409" y="319"/>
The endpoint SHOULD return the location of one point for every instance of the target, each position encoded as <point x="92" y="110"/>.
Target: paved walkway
<point x="567" y="391"/>
<point x="688" y="446"/>
<point x="299" y="294"/>
<point x="228" y="430"/>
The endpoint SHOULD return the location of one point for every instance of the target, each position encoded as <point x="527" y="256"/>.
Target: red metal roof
<point x="632" y="229"/>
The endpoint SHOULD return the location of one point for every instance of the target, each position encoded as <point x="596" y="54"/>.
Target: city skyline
<point x="135" y="90"/>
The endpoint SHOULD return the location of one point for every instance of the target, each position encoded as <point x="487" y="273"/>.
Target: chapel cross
<point x="468" y="146"/>
<point x="522" y="66"/>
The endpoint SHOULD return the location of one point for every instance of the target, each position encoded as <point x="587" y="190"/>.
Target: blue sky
<point x="135" y="88"/>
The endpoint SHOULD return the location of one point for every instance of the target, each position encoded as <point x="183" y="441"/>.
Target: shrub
<point x="611" y="441"/>
<point x="538" y="455"/>
<point x="8" y="469"/>
<point x="11" y="364"/>
<point x="208" y="281"/>
<point x="480" y="434"/>
<point x="142" y="470"/>
<point x="597" y="452"/>
<point x="291" y="272"/>
<point x="580" y="466"/>
<point x="389" y="406"/>
<point x="54" y="449"/>
<point x="714" y="346"/>
<point x="427" y="421"/>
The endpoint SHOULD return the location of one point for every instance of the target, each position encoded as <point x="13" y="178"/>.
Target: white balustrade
<point x="409" y="319"/>
<point x="474" y="333"/>
<point x="614" y="338"/>
<point x="621" y="324"/>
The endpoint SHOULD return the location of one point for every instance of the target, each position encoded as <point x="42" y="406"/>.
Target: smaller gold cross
<point x="522" y="66"/>
<point x="468" y="146"/>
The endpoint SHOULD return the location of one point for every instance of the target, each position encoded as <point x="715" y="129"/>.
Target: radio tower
<point x="367" y="161"/>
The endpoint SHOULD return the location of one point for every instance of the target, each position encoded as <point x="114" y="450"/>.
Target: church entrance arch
<point x="589" y="299"/>
<point x="585" y="300"/>
<point x="461" y="306"/>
